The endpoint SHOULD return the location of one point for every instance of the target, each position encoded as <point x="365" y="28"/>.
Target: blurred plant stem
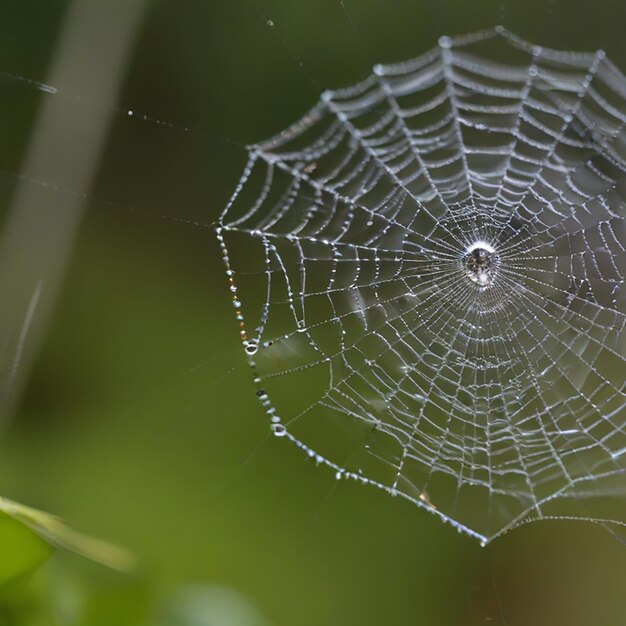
<point x="67" y="141"/>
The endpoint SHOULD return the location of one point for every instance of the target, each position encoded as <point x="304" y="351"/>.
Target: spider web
<point x="487" y="400"/>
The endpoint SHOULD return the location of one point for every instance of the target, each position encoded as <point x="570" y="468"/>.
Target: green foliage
<point x="58" y="534"/>
<point x="22" y="551"/>
<point x="208" y="606"/>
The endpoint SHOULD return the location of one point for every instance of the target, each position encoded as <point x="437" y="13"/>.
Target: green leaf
<point x="55" y="532"/>
<point x="22" y="550"/>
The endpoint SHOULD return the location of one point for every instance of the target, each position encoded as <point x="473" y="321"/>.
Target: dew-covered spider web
<point x="428" y="273"/>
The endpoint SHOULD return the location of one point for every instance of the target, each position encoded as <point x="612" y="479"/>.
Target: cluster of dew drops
<point x="250" y="345"/>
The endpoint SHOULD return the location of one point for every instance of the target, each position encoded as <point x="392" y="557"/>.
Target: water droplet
<point x="480" y="263"/>
<point x="278" y="429"/>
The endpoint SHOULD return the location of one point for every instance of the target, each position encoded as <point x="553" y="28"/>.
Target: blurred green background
<point x="139" y="422"/>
